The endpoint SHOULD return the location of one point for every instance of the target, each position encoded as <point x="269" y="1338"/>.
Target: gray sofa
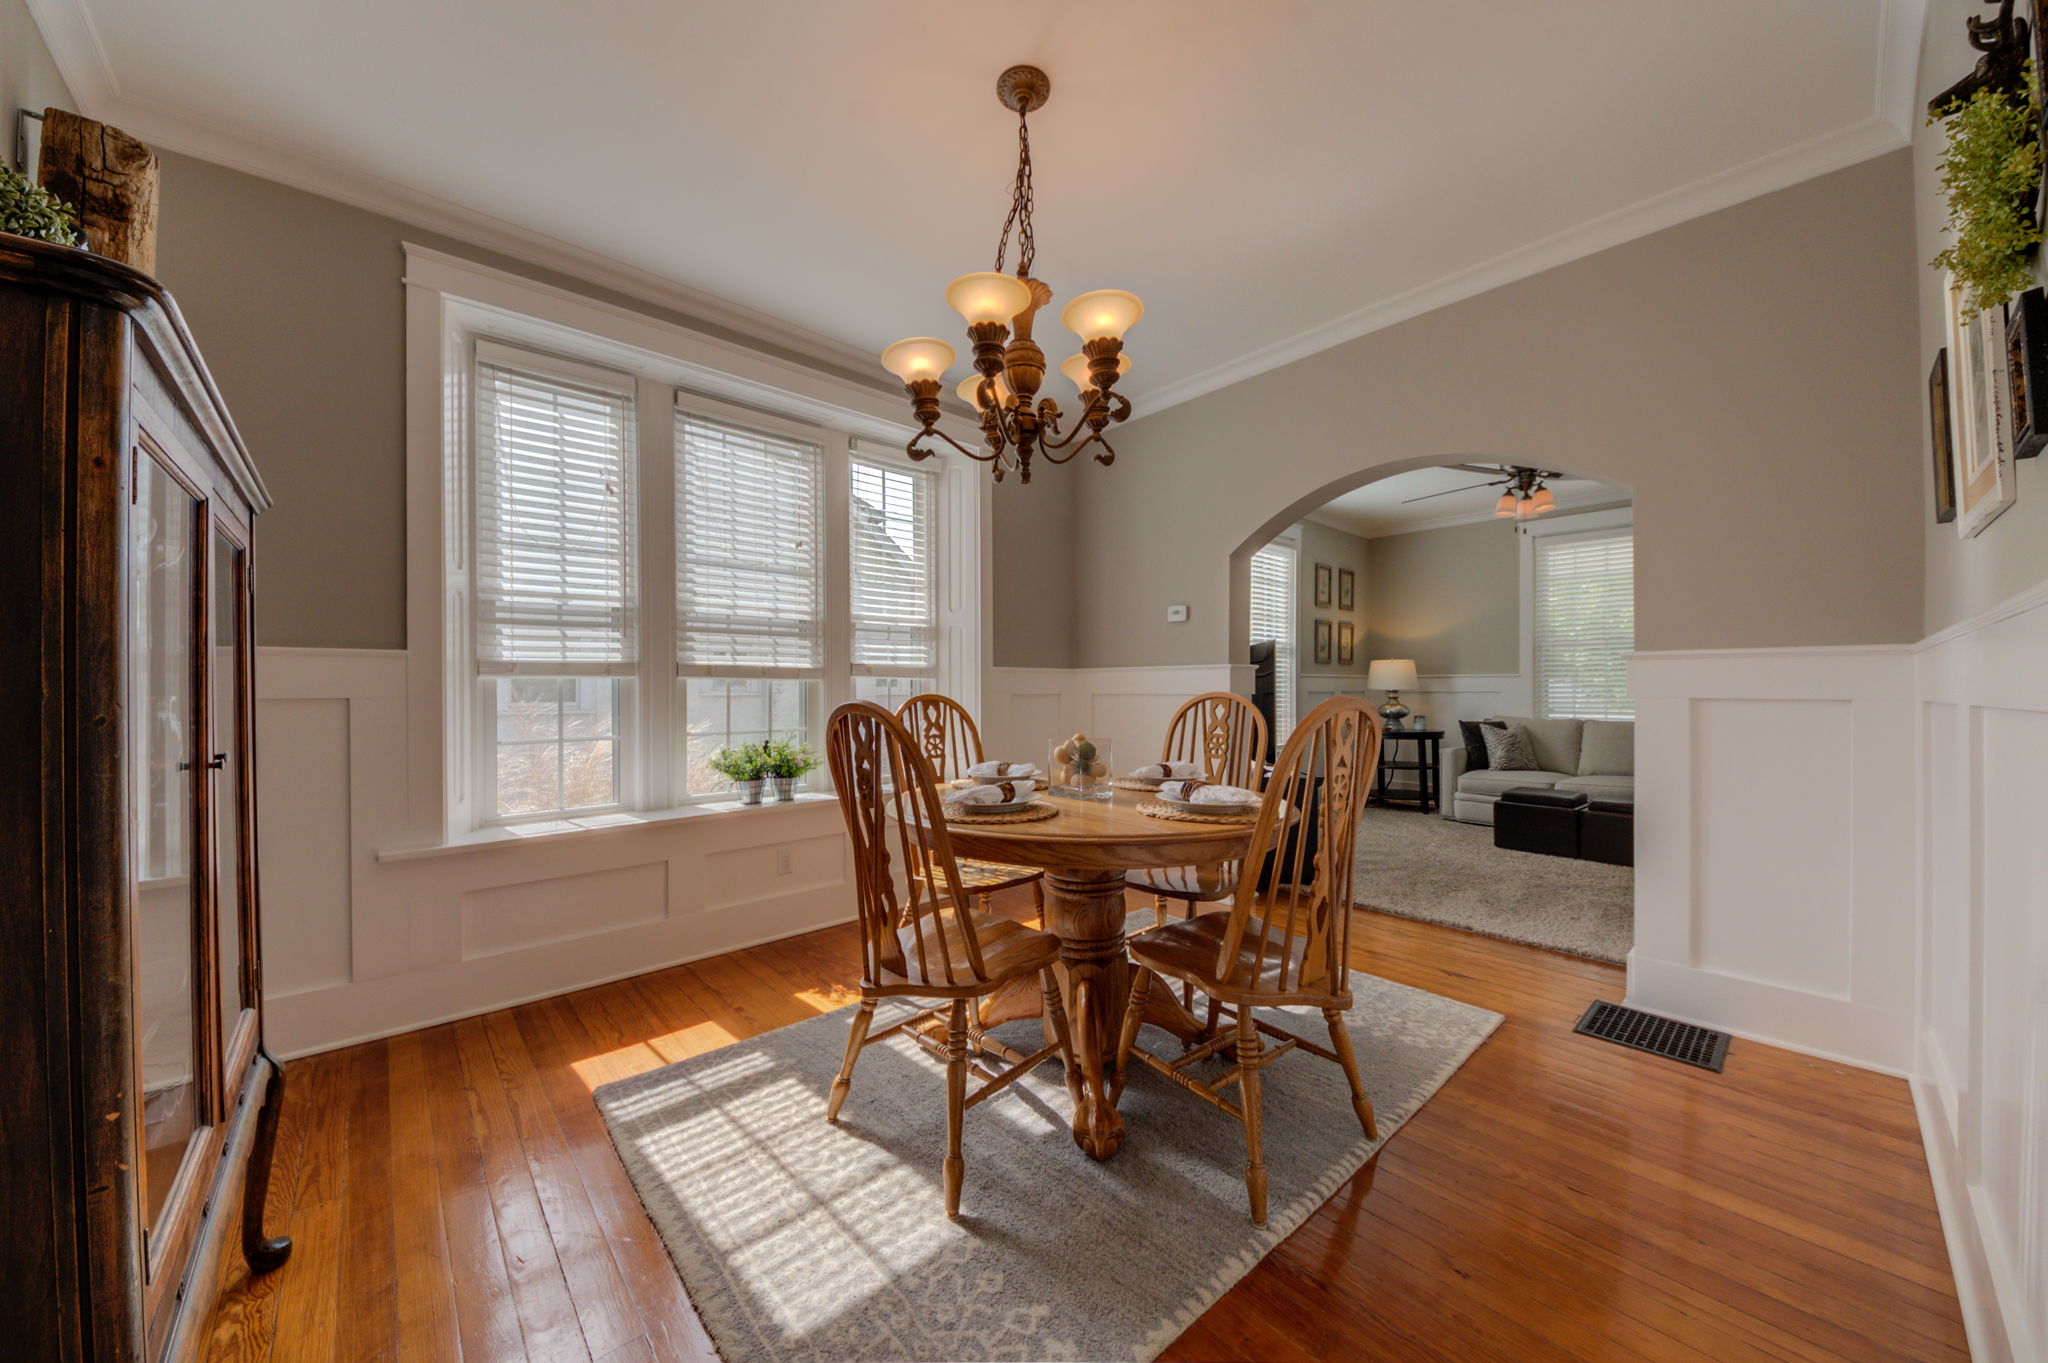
<point x="1597" y="756"/>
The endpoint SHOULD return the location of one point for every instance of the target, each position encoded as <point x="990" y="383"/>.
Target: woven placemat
<point x="1126" y="783"/>
<point x="1031" y="813"/>
<point x="1165" y="811"/>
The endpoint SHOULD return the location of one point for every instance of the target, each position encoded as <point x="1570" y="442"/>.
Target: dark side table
<point x="1427" y="750"/>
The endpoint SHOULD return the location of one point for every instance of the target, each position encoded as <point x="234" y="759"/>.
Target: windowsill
<point x="559" y="830"/>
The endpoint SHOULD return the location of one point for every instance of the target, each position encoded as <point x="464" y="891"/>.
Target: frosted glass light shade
<point x="1507" y="505"/>
<point x="1106" y="312"/>
<point x="1391" y="674"/>
<point x="1075" y="367"/>
<point x="920" y="357"/>
<point x="988" y="297"/>
<point x="1541" y="501"/>
<point x="970" y="390"/>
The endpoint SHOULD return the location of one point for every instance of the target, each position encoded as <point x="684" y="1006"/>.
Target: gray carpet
<point x="801" y="1240"/>
<point x="1422" y="866"/>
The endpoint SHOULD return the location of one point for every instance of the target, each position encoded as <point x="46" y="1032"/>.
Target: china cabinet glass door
<point x="229" y="691"/>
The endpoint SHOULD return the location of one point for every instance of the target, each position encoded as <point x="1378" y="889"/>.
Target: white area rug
<point x="799" y="1240"/>
<point x="1418" y="865"/>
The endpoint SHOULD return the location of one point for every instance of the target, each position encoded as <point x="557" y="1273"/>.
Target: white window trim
<point x="1569" y="523"/>
<point x="1289" y="539"/>
<point x="450" y="303"/>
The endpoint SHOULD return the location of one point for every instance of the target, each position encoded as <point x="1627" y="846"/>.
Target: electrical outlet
<point x="784" y="865"/>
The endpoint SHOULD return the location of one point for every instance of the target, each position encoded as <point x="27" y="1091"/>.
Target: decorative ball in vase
<point x="1080" y="768"/>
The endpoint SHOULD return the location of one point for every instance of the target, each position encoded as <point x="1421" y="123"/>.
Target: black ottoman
<point x="1607" y="832"/>
<point x="1538" y="819"/>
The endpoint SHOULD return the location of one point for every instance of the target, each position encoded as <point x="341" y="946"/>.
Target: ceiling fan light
<point x="988" y="296"/>
<point x="920" y="357"/>
<point x="1541" y="501"/>
<point x="1075" y="367"/>
<point x="1106" y="312"/>
<point x="1507" y="505"/>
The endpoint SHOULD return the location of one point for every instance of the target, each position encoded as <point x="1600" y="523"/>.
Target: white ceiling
<point x="1386" y="507"/>
<point x="1271" y="178"/>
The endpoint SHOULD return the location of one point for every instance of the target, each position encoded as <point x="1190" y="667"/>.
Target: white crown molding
<point x="1780" y="170"/>
<point x="1902" y="30"/>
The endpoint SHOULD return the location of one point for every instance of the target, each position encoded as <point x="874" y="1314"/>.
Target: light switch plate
<point x="1176" y="615"/>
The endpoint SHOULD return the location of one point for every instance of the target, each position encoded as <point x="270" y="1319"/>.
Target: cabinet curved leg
<point x="263" y="1253"/>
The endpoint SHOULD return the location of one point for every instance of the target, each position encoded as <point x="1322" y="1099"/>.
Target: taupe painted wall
<point x="1034" y="566"/>
<point x="1340" y="549"/>
<point x="1964" y="577"/>
<point x="29" y="78"/>
<point x="1448" y="598"/>
<point x="1751" y="375"/>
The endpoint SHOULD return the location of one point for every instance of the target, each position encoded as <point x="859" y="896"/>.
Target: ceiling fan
<point x="1526" y="495"/>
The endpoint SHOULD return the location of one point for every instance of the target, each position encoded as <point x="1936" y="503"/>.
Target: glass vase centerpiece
<point x="1078" y="768"/>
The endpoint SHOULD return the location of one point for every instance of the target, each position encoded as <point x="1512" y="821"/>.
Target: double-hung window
<point x="1582" y="623"/>
<point x="643" y="596"/>
<point x="1272" y="617"/>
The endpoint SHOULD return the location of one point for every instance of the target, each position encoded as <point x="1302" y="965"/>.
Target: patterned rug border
<point x="1281" y="1222"/>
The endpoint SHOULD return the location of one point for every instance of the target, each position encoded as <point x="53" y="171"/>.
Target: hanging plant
<point x="1989" y="172"/>
<point x="29" y="210"/>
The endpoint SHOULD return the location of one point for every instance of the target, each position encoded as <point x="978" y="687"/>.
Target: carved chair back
<point x="1225" y="733"/>
<point x="944" y="732"/>
<point x="1299" y="925"/>
<point x="903" y="866"/>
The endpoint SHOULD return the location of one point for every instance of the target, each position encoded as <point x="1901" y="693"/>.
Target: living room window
<point x="1272" y="617"/>
<point x="1582" y="622"/>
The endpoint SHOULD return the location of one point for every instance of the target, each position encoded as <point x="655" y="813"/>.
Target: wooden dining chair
<point x="1226" y="734"/>
<point x="1288" y="944"/>
<point x="946" y="734"/>
<point x="937" y="949"/>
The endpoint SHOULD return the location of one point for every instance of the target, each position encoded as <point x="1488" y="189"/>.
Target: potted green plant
<point x="1990" y="172"/>
<point x="785" y="763"/>
<point x="29" y="210"/>
<point x="746" y="767"/>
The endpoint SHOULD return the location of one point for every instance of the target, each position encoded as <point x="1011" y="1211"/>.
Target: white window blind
<point x="1584" y="623"/>
<point x="554" y="525"/>
<point x="1272" y="617"/>
<point x="895" y="603"/>
<point x="748" y="591"/>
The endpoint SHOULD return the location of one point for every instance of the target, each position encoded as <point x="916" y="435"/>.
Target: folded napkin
<point x="1002" y="771"/>
<point x="1168" y="771"/>
<point x="994" y="793"/>
<point x="1202" y="793"/>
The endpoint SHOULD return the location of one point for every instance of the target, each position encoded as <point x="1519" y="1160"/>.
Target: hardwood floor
<point x="453" y="1194"/>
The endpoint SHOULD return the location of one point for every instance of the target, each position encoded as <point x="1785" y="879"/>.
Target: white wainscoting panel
<point x="1129" y="707"/>
<point x="357" y="947"/>
<point x="1774" y="846"/>
<point x="1981" y="1078"/>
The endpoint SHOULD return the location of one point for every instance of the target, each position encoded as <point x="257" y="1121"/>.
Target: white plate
<point x="1148" y="782"/>
<point x="1208" y="807"/>
<point x="966" y="782"/>
<point x="1010" y="808"/>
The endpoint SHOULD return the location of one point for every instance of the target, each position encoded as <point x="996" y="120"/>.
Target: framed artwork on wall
<point x="1347" y="589"/>
<point x="1323" y="640"/>
<point x="1323" y="586"/>
<point x="2026" y="358"/>
<point x="1346" y="644"/>
<point x="1944" y="444"/>
<point x="1980" y="421"/>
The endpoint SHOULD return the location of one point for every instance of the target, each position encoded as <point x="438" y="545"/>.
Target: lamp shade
<point x="1541" y="500"/>
<point x="988" y="296"/>
<point x="970" y="391"/>
<point x="1506" y="506"/>
<point x="1391" y="674"/>
<point x="1106" y="312"/>
<point x="1075" y="367"/>
<point x="920" y="357"/>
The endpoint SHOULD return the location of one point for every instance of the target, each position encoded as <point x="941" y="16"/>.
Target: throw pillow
<point x="1509" y="750"/>
<point x="1475" y="746"/>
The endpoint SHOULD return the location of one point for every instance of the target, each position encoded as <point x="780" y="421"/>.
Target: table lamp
<point x="1392" y="675"/>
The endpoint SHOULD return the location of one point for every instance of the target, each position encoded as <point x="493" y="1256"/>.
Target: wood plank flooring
<point x="453" y="1195"/>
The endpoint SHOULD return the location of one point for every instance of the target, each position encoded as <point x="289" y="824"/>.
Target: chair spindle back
<point x="1225" y="733"/>
<point x="1330" y="759"/>
<point x="893" y="819"/>
<point x="944" y="732"/>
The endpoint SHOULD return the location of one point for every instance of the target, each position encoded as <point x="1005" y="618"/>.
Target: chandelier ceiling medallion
<point x="1016" y="423"/>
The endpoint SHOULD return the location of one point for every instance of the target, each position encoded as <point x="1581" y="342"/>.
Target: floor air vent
<point x="1641" y="1031"/>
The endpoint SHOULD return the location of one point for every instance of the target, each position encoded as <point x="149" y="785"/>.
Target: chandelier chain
<point x="1020" y="207"/>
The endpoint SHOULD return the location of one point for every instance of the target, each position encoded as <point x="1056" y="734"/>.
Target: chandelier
<point x="1017" y="424"/>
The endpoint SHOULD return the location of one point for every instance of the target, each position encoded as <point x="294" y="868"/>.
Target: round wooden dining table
<point x="1084" y="851"/>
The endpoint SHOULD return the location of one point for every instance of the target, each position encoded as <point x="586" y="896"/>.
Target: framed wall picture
<point x="2026" y="359"/>
<point x="1347" y="589"/>
<point x="1323" y="640"/>
<point x="1944" y="443"/>
<point x="1323" y="586"/>
<point x="1346" y="643"/>
<point x="1980" y="415"/>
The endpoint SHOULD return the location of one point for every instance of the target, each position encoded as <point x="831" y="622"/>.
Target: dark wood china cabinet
<point x="137" y="1102"/>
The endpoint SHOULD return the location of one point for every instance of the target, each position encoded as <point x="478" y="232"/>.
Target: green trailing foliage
<point x="29" y="210"/>
<point x="1988" y="171"/>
